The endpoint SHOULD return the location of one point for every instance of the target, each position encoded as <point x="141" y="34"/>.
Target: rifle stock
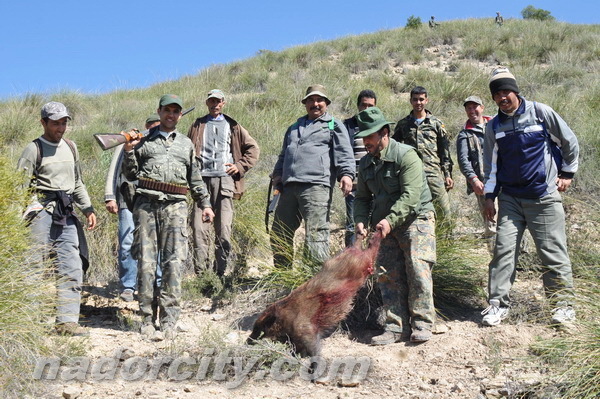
<point x="111" y="140"/>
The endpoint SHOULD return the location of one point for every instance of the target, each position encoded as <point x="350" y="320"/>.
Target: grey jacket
<point x="469" y="151"/>
<point x="313" y="153"/>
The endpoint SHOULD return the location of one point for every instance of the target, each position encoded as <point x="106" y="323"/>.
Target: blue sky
<point x="99" y="46"/>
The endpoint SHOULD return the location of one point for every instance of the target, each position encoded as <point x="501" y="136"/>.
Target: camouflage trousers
<point x="441" y="198"/>
<point x="404" y="265"/>
<point x="161" y="235"/>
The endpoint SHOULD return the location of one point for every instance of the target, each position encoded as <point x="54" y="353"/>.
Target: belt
<point x="169" y="188"/>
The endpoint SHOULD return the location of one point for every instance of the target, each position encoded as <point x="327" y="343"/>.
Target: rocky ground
<point x="210" y="359"/>
<point x="463" y="360"/>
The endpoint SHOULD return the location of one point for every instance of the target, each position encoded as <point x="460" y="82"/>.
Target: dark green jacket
<point x="392" y="187"/>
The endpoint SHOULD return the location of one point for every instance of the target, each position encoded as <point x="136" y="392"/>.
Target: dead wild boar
<point x="313" y="310"/>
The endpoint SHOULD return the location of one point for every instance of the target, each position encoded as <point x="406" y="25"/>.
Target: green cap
<point x="168" y="99"/>
<point x="153" y="118"/>
<point x="370" y="120"/>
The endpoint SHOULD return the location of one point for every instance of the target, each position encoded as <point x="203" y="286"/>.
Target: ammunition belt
<point x="168" y="188"/>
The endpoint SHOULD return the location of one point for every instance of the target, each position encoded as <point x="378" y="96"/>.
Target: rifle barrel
<point x="110" y="140"/>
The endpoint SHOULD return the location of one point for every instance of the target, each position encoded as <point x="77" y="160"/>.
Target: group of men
<point x="522" y="157"/>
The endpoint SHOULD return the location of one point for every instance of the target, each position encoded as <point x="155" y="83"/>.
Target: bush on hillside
<point x="413" y="22"/>
<point x="530" y="12"/>
<point x="24" y="299"/>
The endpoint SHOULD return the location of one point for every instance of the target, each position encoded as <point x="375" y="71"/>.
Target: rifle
<point x="110" y="140"/>
<point x="272" y="202"/>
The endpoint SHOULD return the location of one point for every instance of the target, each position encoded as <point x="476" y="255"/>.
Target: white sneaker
<point x="494" y="314"/>
<point x="563" y="314"/>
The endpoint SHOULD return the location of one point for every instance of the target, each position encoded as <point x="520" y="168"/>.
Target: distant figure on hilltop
<point x="499" y="20"/>
<point x="432" y="23"/>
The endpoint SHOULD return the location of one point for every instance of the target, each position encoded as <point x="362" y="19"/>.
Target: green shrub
<point x="530" y="12"/>
<point x="25" y="300"/>
<point x="413" y="22"/>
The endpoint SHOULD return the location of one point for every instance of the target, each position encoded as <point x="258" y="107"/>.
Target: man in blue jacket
<point x="530" y="156"/>
<point x="316" y="152"/>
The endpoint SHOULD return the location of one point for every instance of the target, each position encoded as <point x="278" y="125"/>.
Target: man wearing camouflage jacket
<point x="165" y="164"/>
<point x="427" y="134"/>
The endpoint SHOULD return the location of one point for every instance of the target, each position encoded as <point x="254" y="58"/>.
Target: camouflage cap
<point x="153" y="118"/>
<point x="472" y="99"/>
<point x="55" y="111"/>
<point x="316" y="90"/>
<point x="168" y="99"/>
<point x="216" y="93"/>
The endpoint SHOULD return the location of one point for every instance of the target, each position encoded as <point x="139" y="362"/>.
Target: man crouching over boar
<point x="392" y="196"/>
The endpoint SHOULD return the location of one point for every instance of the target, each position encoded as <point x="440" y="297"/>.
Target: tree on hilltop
<point x="530" y="12"/>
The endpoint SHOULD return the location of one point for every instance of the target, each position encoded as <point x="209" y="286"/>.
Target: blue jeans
<point x="127" y="264"/>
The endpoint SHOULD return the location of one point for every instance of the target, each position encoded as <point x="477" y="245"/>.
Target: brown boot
<point x="388" y="337"/>
<point x="420" y="335"/>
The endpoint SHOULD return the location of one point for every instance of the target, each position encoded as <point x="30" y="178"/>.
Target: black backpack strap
<point x="40" y="155"/>
<point x="75" y="158"/>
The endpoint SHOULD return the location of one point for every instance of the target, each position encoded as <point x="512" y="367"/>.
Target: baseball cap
<point x="472" y="99"/>
<point x="153" y="118"/>
<point x="216" y="93"/>
<point x="55" y="111"/>
<point x="168" y="99"/>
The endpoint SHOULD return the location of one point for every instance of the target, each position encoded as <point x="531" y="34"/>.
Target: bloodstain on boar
<point x="313" y="310"/>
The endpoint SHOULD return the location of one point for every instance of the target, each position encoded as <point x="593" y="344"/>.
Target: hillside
<point x="554" y="63"/>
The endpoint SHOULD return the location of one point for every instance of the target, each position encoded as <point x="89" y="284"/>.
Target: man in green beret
<point x="393" y="197"/>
